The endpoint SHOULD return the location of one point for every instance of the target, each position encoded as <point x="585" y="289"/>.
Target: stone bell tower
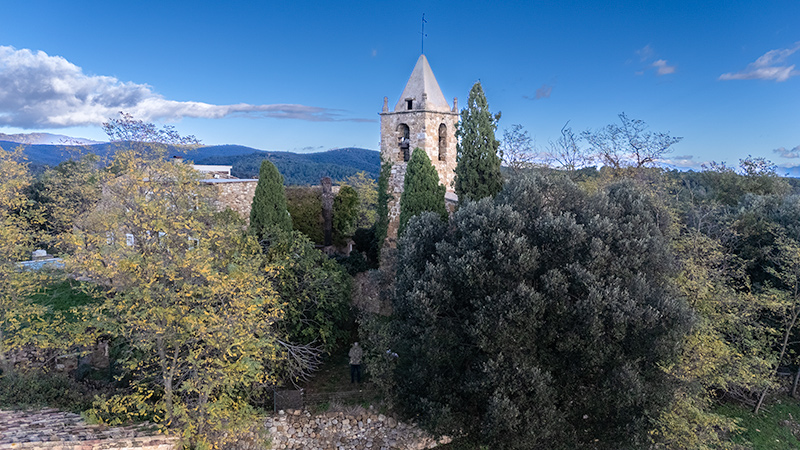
<point x="421" y="118"/>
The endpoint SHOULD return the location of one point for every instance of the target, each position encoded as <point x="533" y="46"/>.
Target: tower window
<point x="404" y="141"/>
<point x="409" y="103"/>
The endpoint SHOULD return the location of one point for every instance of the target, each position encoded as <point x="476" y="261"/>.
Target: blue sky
<point x="310" y="76"/>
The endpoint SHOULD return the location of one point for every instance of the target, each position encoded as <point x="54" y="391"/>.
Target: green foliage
<point x="755" y="176"/>
<point x="545" y="287"/>
<point x="382" y="223"/>
<point x="305" y="208"/>
<point x="37" y="389"/>
<point x="345" y="215"/>
<point x="367" y="189"/>
<point x="354" y="263"/>
<point x="64" y="193"/>
<point x="300" y="169"/>
<point x="478" y="169"/>
<point x="185" y="289"/>
<point x="727" y="351"/>
<point x="268" y="212"/>
<point x="21" y="320"/>
<point x="314" y="290"/>
<point x="421" y="190"/>
<point x="367" y="243"/>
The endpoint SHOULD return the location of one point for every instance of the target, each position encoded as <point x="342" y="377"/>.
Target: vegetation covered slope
<point x="297" y="168"/>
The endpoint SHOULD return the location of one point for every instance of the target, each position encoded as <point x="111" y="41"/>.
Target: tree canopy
<point x="539" y="319"/>
<point x="478" y="168"/>
<point x="421" y="190"/>
<point x="268" y="212"/>
<point x="630" y="144"/>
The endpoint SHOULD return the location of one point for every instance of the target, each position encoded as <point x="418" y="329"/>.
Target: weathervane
<point x="422" y="45"/>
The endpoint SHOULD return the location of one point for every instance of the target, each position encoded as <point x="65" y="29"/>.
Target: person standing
<point x="355" y="363"/>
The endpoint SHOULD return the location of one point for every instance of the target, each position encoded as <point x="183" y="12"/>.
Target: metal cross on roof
<point x="422" y="45"/>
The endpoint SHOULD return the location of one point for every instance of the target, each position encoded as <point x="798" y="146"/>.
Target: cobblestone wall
<point x="357" y="430"/>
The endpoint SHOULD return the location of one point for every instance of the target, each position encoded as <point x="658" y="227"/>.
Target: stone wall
<point x="235" y="194"/>
<point x="355" y="428"/>
<point x="358" y="429"/>
<point x="396" y="180"/>
<point x="423" y="133"/>
<point x="50" y="429"/>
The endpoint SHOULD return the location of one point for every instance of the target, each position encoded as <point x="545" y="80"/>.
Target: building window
<point x="409" y="103"/>
<point x="442" y="142"/>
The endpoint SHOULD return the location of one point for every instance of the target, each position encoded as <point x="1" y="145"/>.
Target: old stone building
<point x="420" y="118"/>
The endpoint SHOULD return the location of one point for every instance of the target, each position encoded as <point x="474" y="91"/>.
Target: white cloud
<point x="42" y="91"/>
<point x="681" y="162"/>
<point x="663" y="68"/>
<point x="645" y="53"/>
<point x="767" y="67"/>
<point x="786" y="153"/>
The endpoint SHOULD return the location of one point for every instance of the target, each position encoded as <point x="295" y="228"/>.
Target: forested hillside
<point x="300" y="168"/>
<point x="297" y="168"/>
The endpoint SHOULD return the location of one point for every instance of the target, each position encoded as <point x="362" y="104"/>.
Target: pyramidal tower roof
<point x="422" y="82"/>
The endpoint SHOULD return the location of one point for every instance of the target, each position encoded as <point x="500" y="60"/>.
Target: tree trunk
<point x="165" y="375"/>
<point x="760" y="401"/>
<point x="796" y="381"/>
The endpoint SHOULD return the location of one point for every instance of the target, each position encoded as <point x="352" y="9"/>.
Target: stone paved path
<point x="53" y="429"/>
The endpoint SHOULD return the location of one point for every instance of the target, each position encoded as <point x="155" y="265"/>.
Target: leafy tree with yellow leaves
<point x="727" y="351"/>
<point x="185" y="289"/>
<point x="19" y="317"/>
<point x="63" y="193"/>
<point x="367" y="189"/>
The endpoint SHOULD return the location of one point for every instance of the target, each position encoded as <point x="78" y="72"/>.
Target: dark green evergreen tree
<point x="539" y="319"/>
<point x="421" y="190"/>
<point x="478" y="169"/>
<point x="268" y="212"/>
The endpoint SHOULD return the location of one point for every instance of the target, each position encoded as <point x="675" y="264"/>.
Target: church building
<point x="420" y="118"/>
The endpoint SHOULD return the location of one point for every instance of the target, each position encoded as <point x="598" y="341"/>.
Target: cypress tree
<point x="421" y="190"/>
<point x="268" y="211"/>
<point x="478" y="169"/>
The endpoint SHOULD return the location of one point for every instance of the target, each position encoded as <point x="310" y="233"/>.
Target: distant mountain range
<point x="45" y="138"/>
<point x="296" y="168"/>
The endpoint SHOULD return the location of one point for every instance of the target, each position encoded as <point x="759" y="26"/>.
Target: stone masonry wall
<point x="236" y="194"/>
<point x="356" y="430"/>
<point x="396" y="180"/>
<point x="50" y="429"/>
<point x="423" y="133"/>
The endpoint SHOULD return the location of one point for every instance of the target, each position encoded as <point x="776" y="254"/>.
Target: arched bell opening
<point x="404" y="142"/>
